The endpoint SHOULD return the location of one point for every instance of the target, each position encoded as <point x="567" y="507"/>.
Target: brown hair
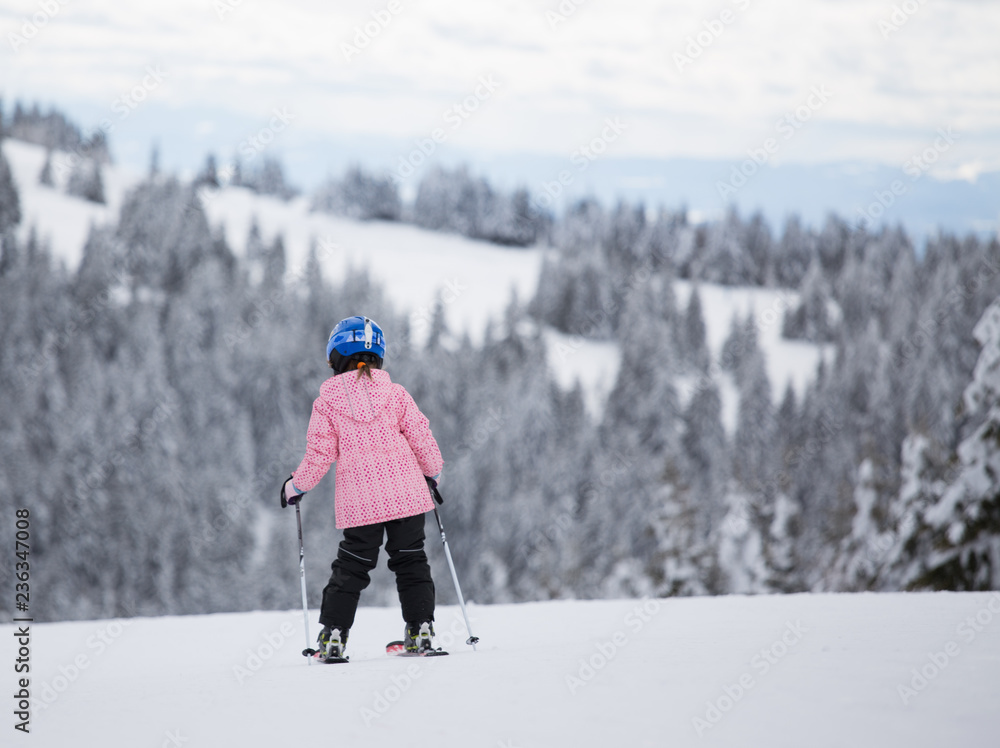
<point x="344" y="364"/>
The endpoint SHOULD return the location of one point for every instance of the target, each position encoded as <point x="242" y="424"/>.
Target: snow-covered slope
<point x="474" y="279"/>
<point x="60" y="219"/>
<point x="799" y="670"/>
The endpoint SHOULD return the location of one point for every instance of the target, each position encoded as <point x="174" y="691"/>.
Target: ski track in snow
<point x="817" y="670"/>
<point x="474" y="279"/>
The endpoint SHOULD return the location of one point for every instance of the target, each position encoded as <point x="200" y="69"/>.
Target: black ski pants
<point x="358" y="555"/>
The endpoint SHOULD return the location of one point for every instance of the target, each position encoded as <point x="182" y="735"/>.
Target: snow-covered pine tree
<point x="756" y="238"/>
<point x="45" y="175"/>
<point x="863" y="552"/>
<point x="692" y="337"/>
<point x="209" y="174"/>
<point x="360" y="195"/>
<point x="10" y="201"/>
<point x="832" y="245"/>
<point x="268" y="178"/>
<point x="921" y="462"/>
<point x="793" y="254"/>
<point x="724" y="258"/>
<point x="740" y="347"/>
<point x="85" y="180"/>
<point x="575" y="296"/>
<point x="741" y="548"/>
<point x="689" y="505"/>
<point x="812" y="319"/>
<point x="965" y="520"/>
<point x="684" y="561"/>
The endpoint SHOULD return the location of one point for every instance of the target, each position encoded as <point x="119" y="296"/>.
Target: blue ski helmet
<point x="354" y="336"/>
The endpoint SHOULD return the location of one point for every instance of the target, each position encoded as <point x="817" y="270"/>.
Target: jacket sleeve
<point x="416" y="428"/>
<point x="322" y="449"/>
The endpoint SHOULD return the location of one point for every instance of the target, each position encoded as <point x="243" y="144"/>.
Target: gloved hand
<point x="290" y="494"/>
<point x="432" y="484"/>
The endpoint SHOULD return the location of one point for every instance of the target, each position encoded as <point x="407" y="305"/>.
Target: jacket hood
<point x="362" y="399"/>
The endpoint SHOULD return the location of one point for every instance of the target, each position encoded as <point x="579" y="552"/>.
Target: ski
<point x="333" y="660"/>
<point x="318" y="657"/>
<point x="398" y="649"/>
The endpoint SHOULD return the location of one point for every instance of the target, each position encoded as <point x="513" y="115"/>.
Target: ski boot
<point x="332" y="643"/>
<point x="419" y="638"/>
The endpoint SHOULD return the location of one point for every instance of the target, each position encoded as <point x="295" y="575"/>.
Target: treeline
<point x="155" y="397"/>
<point x="73" y="161"/>
<point x="447" y="200"/>
<point x="868" y="481"/>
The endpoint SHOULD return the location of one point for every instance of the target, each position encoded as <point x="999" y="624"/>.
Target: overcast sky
<point x="556" y="77"/>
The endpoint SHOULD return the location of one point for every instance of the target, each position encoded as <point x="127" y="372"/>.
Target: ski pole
<point x="308" y="651"/>
<point x="451" y="565"/>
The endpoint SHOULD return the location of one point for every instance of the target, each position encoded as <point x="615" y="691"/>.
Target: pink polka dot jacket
<point x="382" y="445"/>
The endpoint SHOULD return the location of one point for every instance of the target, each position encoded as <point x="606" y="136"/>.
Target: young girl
<point x="385" y="453"/>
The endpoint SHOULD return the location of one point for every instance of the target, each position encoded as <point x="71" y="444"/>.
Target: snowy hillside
<point x="800" y="670"/>
<point x="474" y="279"/>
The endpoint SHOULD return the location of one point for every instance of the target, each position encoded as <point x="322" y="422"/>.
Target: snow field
<point x="817" y="670"/>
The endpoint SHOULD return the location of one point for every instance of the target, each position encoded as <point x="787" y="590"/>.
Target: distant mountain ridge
<point x="812" y="191"/>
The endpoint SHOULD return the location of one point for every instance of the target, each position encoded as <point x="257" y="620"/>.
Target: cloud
<point x="606" y="58"/>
